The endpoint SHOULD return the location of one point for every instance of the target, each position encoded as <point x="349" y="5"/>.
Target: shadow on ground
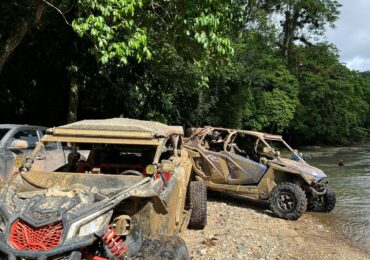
<point x="240" y="201"/>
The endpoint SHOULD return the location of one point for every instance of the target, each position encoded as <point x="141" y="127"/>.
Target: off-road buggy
<point x="260" y="166"/>
<point x="120" y="195"/>
<point x="11" y="139"/>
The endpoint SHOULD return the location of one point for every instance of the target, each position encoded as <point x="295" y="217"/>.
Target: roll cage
<point x="170" y="144"/>
<point x="228" y="141"/>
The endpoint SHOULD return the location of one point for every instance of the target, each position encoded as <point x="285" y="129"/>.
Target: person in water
<point x="341" y="163"/>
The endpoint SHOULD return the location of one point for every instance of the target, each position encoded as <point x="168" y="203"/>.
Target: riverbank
<point x="239" y="228"/>
<point x="312" y="152"/>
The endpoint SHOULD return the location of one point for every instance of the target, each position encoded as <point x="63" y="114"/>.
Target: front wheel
<point x="325" y="203"/>
<point x="288" y="201"/>
<point x="166" y="248"/>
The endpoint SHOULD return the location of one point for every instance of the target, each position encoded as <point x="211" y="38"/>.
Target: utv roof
<point x="112" y="131"/>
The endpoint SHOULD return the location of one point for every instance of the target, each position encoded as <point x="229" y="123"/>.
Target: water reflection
<point x="352" y="185"/>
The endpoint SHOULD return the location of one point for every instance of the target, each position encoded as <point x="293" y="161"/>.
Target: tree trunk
<point x="287" y="35"/>
<point x="19" y="29"/>
<point x="16" y="36"/>
<point x="73" y="95"/>
<point x="289" y="30"/>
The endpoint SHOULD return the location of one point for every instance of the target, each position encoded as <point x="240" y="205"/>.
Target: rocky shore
<point x="239" y="228"/>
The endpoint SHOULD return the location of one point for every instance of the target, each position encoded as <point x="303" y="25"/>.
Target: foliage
<point x="366" y="75"/>
<point x="124" y="29"/>
<point x="332" y="97"/>
<point x="191" y="63"/>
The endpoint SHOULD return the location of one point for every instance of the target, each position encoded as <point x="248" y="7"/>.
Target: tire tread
<point x="197" y="203"/>
<point x="163" y="247"/>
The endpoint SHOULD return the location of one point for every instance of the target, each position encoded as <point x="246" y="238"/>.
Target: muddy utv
<point x="120" y="195"/>
<point x="259" y="166"/>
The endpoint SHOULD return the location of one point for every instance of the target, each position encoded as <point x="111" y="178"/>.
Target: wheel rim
<point x="286" y="201"/>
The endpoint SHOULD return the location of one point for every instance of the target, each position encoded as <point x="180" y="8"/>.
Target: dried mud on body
<point x="239" y="228"/>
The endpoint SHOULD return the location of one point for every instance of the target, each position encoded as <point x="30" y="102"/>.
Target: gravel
<point x="239" y="228"/>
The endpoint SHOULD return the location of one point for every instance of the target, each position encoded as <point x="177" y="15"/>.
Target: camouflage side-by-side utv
<point x="124" y="192"/>
<point x="259" y="166"/>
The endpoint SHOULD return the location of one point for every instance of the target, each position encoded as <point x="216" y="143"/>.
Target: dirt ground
<point x="239" y="228"/>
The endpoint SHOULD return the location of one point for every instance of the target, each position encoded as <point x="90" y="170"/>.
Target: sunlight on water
<point x="352" y="186"/>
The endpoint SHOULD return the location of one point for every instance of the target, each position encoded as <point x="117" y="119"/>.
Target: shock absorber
<point x="114" y="242"/>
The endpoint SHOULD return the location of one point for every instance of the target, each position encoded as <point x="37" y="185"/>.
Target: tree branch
<point x="58" y="10"/>
<point x="20" y="29"/>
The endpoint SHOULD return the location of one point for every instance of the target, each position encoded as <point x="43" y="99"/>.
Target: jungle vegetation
<point x="253" y="64"/>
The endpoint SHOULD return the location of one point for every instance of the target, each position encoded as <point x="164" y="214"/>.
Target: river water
<point x="352" y="186"/>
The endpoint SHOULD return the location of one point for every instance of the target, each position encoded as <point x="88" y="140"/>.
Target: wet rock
<point x="203" y="252"/>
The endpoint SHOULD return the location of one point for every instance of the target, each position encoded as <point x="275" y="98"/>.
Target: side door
<point x="243" y="170"/>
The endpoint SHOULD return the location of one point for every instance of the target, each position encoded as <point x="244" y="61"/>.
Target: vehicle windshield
<point x="282" y="147"/>
<point x="3" y="132"/>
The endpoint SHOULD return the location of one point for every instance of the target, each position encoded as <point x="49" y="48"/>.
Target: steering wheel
<point x="132" y="172"/>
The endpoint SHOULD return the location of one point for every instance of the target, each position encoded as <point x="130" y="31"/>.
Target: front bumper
<point x="71" y="250"/>
<point x="318" y="188"/>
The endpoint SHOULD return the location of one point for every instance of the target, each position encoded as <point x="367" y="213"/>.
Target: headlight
<point x="316" y="175"/>
<point x="89" y="225"/>
<point x="94" y="226"/>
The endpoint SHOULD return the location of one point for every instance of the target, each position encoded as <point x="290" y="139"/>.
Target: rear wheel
<point x="197" y="203"/>
<point x="325" y="203"/>
<point x="288" y="201"/>
<point x="166" y="248"/>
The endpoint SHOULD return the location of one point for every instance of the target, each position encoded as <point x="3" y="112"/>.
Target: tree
<point x="159" y="49"/>
<point x="257" y="89"/>
<point x="300" y="18"/>
<point x="35" y="77"/>
<point x="18" y="19"/>
<point x="332" y="107"/>
<point x="366" y="75"/>
<point x="193" y="63"/>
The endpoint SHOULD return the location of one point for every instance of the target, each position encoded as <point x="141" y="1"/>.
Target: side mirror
<point x="18" y="145"/>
